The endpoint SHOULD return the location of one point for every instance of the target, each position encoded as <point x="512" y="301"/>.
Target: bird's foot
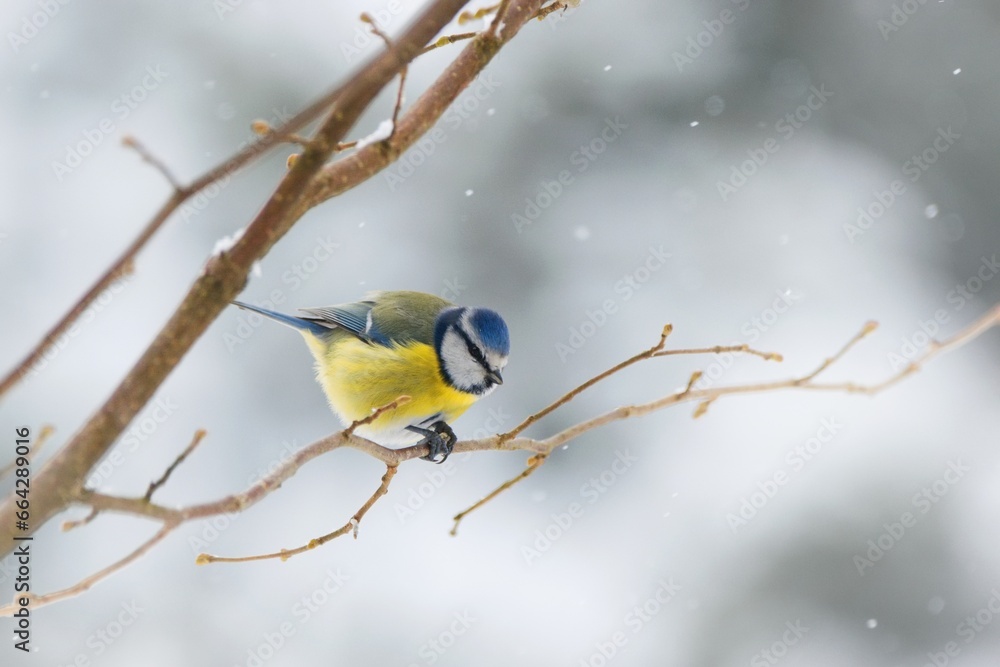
<point x="439" y="437"/>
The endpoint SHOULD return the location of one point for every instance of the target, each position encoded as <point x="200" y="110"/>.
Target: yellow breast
<point x="358" y="377"/>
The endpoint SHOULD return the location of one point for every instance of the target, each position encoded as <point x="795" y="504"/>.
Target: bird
<point x="403" y="343"/>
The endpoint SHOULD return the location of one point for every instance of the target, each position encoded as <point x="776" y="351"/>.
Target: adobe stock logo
<point x="964" y="292"/>
<point x="635" y="620"/>
<point x="434" y="648"/>
<point x="582" y="158"/>
<point x="970" y="628"/>
<point x="793" y="634"/>
<point x="913" y="169"/>
<point x="626" y="288"/>
<point x="705" y="39"/>
<point x="463" y="109"/>
<point x="121" y="108"/>
<point x="924" y="501"/>
<point x="898" y="17"/>
<point x="795" y="459"/>
<point x="364" y="38"/>
<point x="32" y="24"/>
<point x="785" y="127"/>
<point x="562" y="522"/>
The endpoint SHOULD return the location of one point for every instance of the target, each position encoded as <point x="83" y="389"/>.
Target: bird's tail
<point x="288" y="320"/>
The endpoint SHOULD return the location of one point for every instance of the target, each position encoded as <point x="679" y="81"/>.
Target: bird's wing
<point x="385" y="318"/>
<point x="355" y="318"/>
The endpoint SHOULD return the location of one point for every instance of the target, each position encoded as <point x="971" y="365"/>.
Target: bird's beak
<point x="495" y="377"/>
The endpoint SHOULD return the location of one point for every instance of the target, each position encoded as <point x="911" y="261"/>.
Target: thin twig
<point x="263" y="128"/>
<point x="85" y="583"/>
<point x="376" y="413"/>
<point x="399" y="102"/>
<point x="548" y="9"/>
<point x="976" y="329"/>
<point x="366" y="18"/>
<point x="467" y="16"/>
<point x="963" y="337"/>
<point x="349" y="527"/>
<point x="570" y="395"/>
<point x="655" y="351"/>
<point x="76" y="523"/>
<point x="866" y="330"/>
<point x="533" y="464"/>
<point x="448" y="39"/>
<point x="402" y="73"/>
<point x="157" y="163"/>
<point x="498" y="18"/>
<point x="719" y="349"/>
<point x="153" y="486"/>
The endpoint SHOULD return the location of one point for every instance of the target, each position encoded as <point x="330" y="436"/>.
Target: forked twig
<point x="171" y="517"/>
<point x="706" y="397"/>
<point x="570" y="395"/>
<point x="866" y="330"/>
<point x="349" y="527"/>
<point x="157" y="163"/>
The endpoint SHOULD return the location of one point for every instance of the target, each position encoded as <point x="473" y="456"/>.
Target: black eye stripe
<point x="473" y="349"/>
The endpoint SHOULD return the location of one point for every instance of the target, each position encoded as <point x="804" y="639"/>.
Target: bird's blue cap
<point x="492" y="329"/>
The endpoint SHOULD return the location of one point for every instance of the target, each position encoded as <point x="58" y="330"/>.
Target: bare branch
<point x="869" y="328"/>
<point x="719" y="349"/>
<point x="60" y="482"/>
<point x="85" y="583"/>
<point x="122" y="265"/>
<point x="399" y="100"/>
<point x="540" y="448"/>
<point x="967" y="335"/>
<point x="532" y="465"/>
<point x="349" y="527"/>
<point x="153" y="486"/>
<point x="421" y="116"/>
<point x="376" y="413"/>
<point x="706" y="397"/>
<point x="263" y="128"/>
<point x="147" y="156"/>
<point x="655" y="351"/>
<point x="569" y="396"/>
<point x="311" y="179"/>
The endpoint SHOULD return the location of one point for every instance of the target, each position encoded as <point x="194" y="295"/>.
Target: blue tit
<point x="400" y="343"/>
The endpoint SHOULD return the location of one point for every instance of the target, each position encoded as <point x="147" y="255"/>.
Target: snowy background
<point x="807" y="166"/>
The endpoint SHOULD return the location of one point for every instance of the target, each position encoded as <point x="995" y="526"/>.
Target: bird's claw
<point x="440" y="438"/>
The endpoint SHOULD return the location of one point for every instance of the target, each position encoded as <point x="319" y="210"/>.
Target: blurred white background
<point x="809" y="112"/>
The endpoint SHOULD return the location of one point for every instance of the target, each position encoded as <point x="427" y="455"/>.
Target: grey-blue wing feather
<point x="384" y="318"/>
<point x="352" y="317"/>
